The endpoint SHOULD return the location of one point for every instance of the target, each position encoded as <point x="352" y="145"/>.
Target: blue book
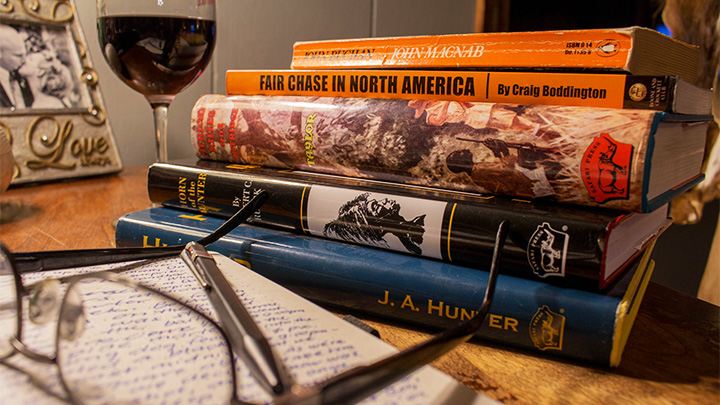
<point x="527" y="314"/>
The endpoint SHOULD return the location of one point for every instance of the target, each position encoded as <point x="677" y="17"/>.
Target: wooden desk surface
<point x="671" y="357"/>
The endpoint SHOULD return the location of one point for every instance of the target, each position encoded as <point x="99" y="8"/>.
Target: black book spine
<point x="454" y="228"/>
<point x="650" y="92"/>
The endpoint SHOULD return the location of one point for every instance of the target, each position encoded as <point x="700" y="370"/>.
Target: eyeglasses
<point x="95" y="314"/>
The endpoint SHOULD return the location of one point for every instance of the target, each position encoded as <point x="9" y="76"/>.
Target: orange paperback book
<point x="635" y="50"/>
<point x="606" y="90"/>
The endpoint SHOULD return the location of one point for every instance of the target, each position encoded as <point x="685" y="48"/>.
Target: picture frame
<point x="51" y="108"/>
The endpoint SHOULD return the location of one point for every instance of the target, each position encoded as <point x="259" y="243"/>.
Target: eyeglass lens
<point x="110" y="333"/>
<point x="113" y="334"/>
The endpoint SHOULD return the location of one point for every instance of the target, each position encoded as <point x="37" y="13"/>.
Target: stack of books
<point x="391" y="162"/>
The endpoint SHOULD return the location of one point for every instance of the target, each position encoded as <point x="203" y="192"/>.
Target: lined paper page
<point x="313" y="343"/>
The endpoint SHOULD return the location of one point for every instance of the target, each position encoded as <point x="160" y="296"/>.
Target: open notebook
<point x="312" y="342"/>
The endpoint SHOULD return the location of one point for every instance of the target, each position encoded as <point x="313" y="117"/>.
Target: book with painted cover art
<point x="544" y="319"/>
<point x="635" y="50"/>
<point x="605" y="90"/>
<point x="630" y="160"/>
<point x="564" y="245"/>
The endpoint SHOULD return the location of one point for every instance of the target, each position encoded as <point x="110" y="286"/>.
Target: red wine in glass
<point x="158" y="56"/>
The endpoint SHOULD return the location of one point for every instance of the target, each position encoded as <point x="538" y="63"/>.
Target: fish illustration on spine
<point x="368" y="220"/>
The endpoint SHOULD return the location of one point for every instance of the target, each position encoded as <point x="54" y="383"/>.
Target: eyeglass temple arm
<point x="360" y="382"/>
<point x="64" y="259"/>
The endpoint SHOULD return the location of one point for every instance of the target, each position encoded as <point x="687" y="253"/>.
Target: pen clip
<point x="189" y="254"/>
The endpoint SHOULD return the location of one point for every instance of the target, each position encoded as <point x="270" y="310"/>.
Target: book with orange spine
<point x="604" y="90"/>
<point x="635" y="50"/>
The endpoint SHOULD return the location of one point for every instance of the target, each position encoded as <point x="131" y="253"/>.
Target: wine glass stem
<point x="160" y="111"/>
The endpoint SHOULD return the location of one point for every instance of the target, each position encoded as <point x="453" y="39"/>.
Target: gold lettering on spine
<point x="450" y="222"/>
<point x="201" y="193"/>
<point x="308" y="140"/>
<point x="442" y="310"/>
<point x="437" y="308"/>
<point x="303" y="214"/>
<point x="197" y="217"/>
<point x="385" y="299"/>
<point x="182" y="191"/>
<point x="157" y="242"/>
<point x="407" y="303"/>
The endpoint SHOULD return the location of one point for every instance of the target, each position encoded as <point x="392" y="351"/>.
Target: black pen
<point x="247" y="340"/>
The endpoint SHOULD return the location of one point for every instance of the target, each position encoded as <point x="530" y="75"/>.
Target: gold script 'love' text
<point x="49" y="140"/>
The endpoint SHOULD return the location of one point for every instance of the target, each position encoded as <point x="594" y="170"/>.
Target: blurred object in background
<point x="7" y="167"/>
<point x="698" y="22"/>
<point x="6" y="162"/>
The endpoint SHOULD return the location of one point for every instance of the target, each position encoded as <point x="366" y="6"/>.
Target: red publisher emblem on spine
<point x="606" y="169"/>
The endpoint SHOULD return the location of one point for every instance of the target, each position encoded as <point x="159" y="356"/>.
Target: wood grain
<point x="72" y="215"/>
<point x="672" y="355"/>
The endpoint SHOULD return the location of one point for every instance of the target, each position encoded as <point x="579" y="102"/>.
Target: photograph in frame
<point x="51" y="109"/>
<point x="44" y="79"/>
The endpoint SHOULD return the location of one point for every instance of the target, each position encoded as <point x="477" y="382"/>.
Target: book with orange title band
<point x="606" y="90"/>
<point x="635" y="50"/>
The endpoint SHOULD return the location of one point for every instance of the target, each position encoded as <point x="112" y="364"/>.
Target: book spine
<point x="590" y="90"/>
<point x="605" y="49"/>
<point x="525" y="151"/>
<point x="407" y="220"/>
<point x="524" y="314"/>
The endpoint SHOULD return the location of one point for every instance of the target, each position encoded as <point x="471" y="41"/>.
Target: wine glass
<point x="157" y="47"/>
